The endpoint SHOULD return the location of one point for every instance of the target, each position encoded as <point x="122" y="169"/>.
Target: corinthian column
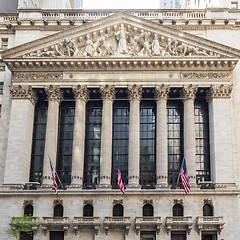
<point x="81" y="96"/>
<point x="161" y="95"/>
<point x="20" y="135"/>
<point x="188" y="95"/>
<point x="134" y="95"/>
<point x="108" y="96"/>
<point x="54" y="95"/>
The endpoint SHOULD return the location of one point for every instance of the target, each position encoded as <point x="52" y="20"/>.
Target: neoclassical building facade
<point x="84" y="89"/>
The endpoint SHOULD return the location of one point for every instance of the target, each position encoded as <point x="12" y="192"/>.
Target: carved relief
<point x="108" y="92"/>
<point x="85" y="202"/>
<point x="54" y="93"/>
<point x="178" y="201"/>
<point x="134" y="92"/>
<point x="202" y="75"/>
<point x="81" y="92"/>
<point x="222" y="91"/>
<point x="27" y="202"/>
<point x="208" y="201"/>
<point x="188" y="92"/>
<point x="117" y="201"/>
<point x="119" y="41"/>
<point x="147" y="201"/>
<point x="23" y="92"/>
<point x="57" y="201"/>
<point x="161" y="91"/>
<point x="38" y="76"/>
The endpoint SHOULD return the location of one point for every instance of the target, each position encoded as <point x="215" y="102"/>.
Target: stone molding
<point x="27" y="202"/>
<point x="148" y="201"/>
<point x="206" y="75"/>
<point x="219" y="91"/>
<point x="23" y="92"/>
<point x="38" y="76"/>
<point x="161" y="92"/>
<point x="178" y="201"/>
<point x="117" y="201"/>
<point x="188" y="92"/>
<point x="208" y="201"/>
<point x="57" y="202"/>
<point x="107" y="92"/>
<point x="81" y="92"/>
<point x="54" y="93"/>
<point x="134" y="92"/>
<point x="87" y="201"/>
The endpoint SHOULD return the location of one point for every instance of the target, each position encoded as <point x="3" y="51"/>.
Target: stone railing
<point x="92" y="222"/>
<point x="148" y="224"/>
<point x="55" y="224"/>
<point x="16" y="222"/>
<point x="119" y="222"/>
<point x="210" y="224"/>
<point x="179" y="223"/>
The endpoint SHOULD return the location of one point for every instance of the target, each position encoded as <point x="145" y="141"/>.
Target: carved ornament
<point x="188" y="92"/>
<point x="89" y="201"/>
<point x="222" y="91"/>
<point x="38" y="76"/>
<point x="23" y="92"/>
<point x="134" y="92"/>
<point x="147" y="201"/>
<point x="54" y="93"/>
<point x="81" y="92"/>
<point x="117" y="201"/>
<point x="162" y="92"/>
<point x="208" y="201"/>
<point x="178" y="201"/>
<point x="57" y="202"/>
<point x="108" y="92"/>
<point x="202" y="75"/>
<point x="27" y="202"/>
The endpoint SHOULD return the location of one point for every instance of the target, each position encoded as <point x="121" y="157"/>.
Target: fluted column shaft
<point x="54" y="95"/>
<point x="81" y="96"/>
<point x="188" y="95"/>
<point x="161" y="95"/>
<point x="134" y="95"/>
<point x="108" y="96"/>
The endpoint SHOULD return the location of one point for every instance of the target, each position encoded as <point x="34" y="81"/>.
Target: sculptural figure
<point x="99" y="45"/>
<point x="67" y="48"/>
<point x="156" y="48"/>
<point x="88" y="50"/>
<point x="188" y="50"/>
<point x="121" y="37"/>
<point x="144" y="44"/>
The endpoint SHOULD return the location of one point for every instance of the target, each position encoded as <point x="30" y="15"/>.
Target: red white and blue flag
<point x="184" y="177"/>
<point x="55" y="186"/>
<point x="119" y="179"/>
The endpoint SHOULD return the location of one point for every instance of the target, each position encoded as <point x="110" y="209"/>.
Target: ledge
<point x="117" y="222"/>
<point x="148" y="224"/>
<point x="82" y="222"/>
<point x="179" y="223"/>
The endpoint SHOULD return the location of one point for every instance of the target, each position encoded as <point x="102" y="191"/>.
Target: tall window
<point x="65" y="142"/>
<point x="120" y="140"/>
<point x="28" y="210"/>
<point x="1" y="87"/>
<point x="88" y="210"/>
<point x="207" y="210"/>
<point x="92" y="144"/>
<point x="147" y="210"/>
<point x="118" y="210"/>
<point x="4" y="43"/>
<point x="202" y="141"/>
<point x="38" y="142"/>
<point x="177" y="210"/>
<point x="175" y="140"/>
<point x="58" y="211"/>
<point x="147" y="143"/>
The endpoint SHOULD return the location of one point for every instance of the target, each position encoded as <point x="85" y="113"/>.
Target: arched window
<point x="58" y="211"/>
<point x="28" y="210"/>
<point x="147" y="210"/>
<point x="207" y="210"/>
<point x="118" y="210"/>
<point x="177" y="210"/>
<point x="88" y="210"/>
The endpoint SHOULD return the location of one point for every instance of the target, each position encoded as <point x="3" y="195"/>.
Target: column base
<point x="162" y="186"/>
<point x="46" y="186"/>
<point x="104" y="186"/>
<point x="133" y="186"/>
<point x="13" y="186"/>
<point x="74" y="186"/>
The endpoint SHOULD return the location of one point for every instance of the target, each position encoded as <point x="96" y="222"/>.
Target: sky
<point x="120" y="4"/>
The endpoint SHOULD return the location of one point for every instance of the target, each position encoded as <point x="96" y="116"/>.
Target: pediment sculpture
<point x="123" y="41"/>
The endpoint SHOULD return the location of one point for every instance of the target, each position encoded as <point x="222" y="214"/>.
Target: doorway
<point x="178" y="236"/>
<point x="57" y="235"/>
<point x="148" y="235"/>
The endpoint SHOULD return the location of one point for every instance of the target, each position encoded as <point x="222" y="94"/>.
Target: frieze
<point x="204" y="75"/>
<point x="38" y="76"/>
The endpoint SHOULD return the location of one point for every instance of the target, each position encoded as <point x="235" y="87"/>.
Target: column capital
<point x="219" y="91"/>
<point x="107" y="92"/>
<point x="24" y="92"/>
<point x="134" y="92"/>
<point x="81" y="92"/>
<point x="161" y="91"/>
<point x="188" y="92"/>
<point x="54" y="93"/>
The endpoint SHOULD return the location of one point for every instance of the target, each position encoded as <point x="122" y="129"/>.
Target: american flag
<point x="184" y="177"/>
<point x="55" y="186"/>
<point x="120" y="184"/>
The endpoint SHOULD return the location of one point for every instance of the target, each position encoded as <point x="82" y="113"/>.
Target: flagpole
<point x="179" y="172"/>
<point x="55" y="171"/>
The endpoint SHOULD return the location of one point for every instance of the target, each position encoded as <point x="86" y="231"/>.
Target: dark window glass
<point x="147" y="210"/>
<point x="4" y="42"/>
<point x="88" y="210"/>
<point x="26" y="236"/>
<point x="2" y="66"/>
<point x="207" y="210"/>
<point x="177" y="210"/>
<point x="57" y="235"/>
<point x="120" y="140"/>
<point x="147" y="144"/>
<point x="1" y="87"/>
<point x="58" y="211"/>
<point x="202" y="141"/>
<point x="38" y="142"/>
<point x="92" y="144"/>
<point x="65" y="142"/>
<point x="175" y="140"/>
<point x="28" y="210"/>
<point x="118" y="210"/>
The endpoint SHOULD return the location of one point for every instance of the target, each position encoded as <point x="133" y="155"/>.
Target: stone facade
<point x="58" y="58"/>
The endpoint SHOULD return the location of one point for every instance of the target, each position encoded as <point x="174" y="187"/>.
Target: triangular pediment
<point x="121" y="36"/>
